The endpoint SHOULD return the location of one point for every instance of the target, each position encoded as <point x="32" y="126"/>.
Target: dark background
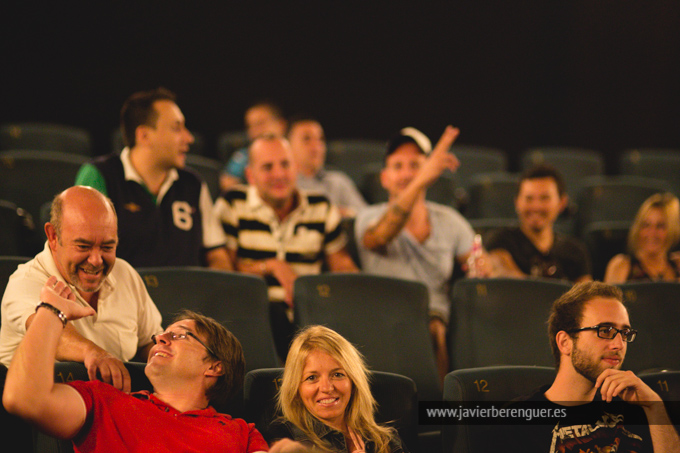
<point x="598" y="74"/>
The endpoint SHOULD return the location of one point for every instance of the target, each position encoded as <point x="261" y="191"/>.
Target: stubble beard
<point x="587" y="367"/>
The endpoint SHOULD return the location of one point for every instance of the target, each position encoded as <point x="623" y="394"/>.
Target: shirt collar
<point x="132" y="175"/>
<point x="165" y="407"/>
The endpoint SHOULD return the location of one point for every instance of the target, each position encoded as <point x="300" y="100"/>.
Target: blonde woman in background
<point x="326" y="400"/>
<point x="655" y="231"/>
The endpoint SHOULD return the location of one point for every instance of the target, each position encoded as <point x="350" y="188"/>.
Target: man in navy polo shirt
<point x="164" y="209"/>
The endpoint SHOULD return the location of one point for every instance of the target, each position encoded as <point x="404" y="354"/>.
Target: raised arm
<point x="30" y="391"/>
<point x="388" y="227"/>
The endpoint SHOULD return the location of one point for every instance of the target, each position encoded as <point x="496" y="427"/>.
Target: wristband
<point x="60" y="314"/>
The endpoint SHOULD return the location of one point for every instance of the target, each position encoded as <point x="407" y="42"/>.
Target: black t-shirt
<point x="594" y="427"/>
<point x="567" y="260"/>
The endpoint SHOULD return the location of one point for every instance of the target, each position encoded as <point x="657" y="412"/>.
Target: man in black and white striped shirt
<point x="278" y="231"/>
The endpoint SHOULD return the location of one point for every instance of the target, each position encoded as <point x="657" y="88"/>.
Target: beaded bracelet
<point x="60" y="314"/>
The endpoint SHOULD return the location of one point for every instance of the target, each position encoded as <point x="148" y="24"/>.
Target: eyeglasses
<point x="174" y="336"/>
<point x="609" y="332"/>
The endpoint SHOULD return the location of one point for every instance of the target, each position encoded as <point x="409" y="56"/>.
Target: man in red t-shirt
<point x="196" y="362"/>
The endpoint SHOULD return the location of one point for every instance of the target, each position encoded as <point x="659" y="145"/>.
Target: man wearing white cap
<point x="409" y="237"/>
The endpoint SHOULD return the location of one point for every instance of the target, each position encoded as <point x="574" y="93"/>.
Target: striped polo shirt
<point x="303" y="239"/>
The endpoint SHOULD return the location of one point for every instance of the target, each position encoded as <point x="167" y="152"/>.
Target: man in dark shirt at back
<point x="534" y="249"/>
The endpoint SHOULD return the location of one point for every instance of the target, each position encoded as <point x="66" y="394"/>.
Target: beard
<point x="537" y="222"/>
<point x="589" y="368"/>
<point x="87" y="287"/>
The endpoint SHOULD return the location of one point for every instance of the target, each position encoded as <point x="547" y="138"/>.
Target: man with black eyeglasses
<point x="597" y="405"/>
<point x="195" y="364"/>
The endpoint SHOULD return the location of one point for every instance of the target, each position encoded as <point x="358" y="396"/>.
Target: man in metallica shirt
<point x="603" y="407"/>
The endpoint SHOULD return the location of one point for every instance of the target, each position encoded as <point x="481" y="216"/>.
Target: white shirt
<point x="125" y="320"/>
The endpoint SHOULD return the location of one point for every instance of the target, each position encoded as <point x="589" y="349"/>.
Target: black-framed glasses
<point x="609" y="332"/>
<point x="174" y="336"/>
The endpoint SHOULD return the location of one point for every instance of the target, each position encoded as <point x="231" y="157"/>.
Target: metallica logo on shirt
<point x="605" y="435"/>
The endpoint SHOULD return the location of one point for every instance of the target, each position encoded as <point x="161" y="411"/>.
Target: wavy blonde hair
<point x="666" y="203"/>
<point x="359" y="414"/>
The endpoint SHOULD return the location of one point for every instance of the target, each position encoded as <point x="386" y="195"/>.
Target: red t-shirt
<point x="139" y="422"/>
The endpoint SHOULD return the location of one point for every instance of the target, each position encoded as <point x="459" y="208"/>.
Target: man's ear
<point x="564" y="342"/>
<point x="216" y="369"/>
<point x="51" y="234"/>
<point x="141" y="134"/>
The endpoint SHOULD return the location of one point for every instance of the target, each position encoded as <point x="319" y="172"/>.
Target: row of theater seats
<point x="397" y="402"/>
<point x="35" y="165"/>
<point x="359" y="157"/>
<point x="503" y="321"/>
<point x="362" y="158"/>
<point x="78" y="140"/>
<point x="601" y="211"/>
<point x="256" y="403"/>
<point x="351" y="154"/>
<point x="493" y="321"/>
<point x="391" y="331"/>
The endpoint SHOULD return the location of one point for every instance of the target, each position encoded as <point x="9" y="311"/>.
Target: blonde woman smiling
<point x="655" y="231"/>
<point x="326" y="401"/>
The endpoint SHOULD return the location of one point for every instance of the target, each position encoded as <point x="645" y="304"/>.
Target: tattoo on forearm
<point x="388" y="227"/>
<point x="401" y="212"/>
<point x="395" y="219"/>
